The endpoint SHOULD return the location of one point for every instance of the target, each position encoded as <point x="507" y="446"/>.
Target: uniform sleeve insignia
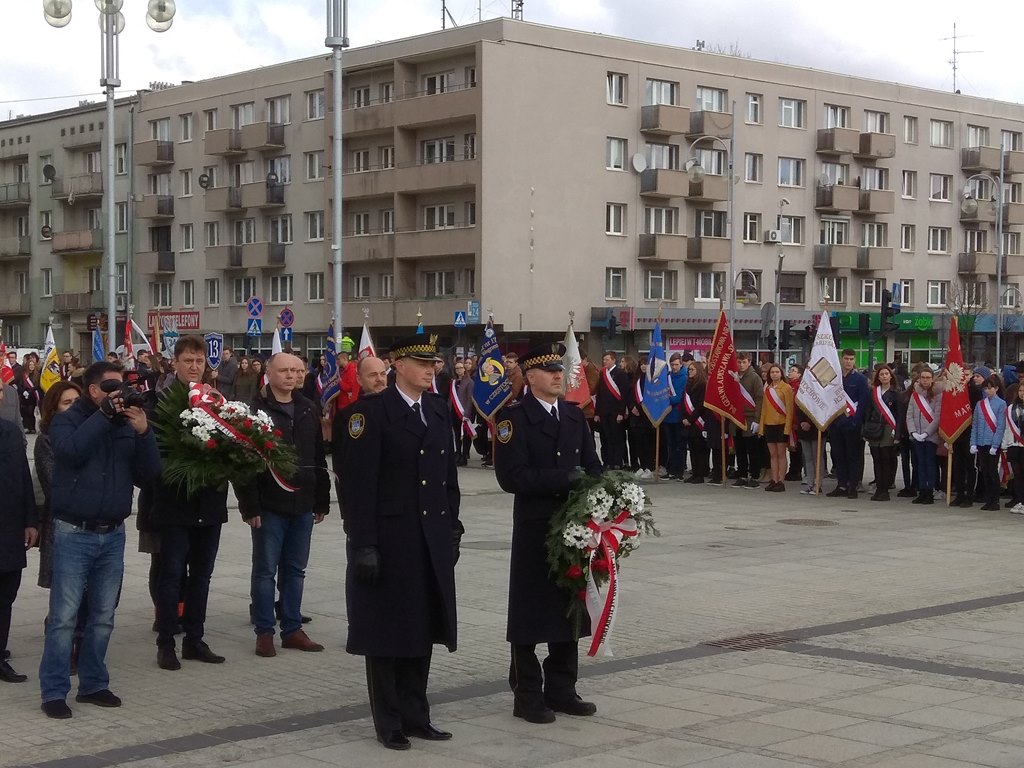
<point x="356" y="425"/>
<point x="504" y="431"/>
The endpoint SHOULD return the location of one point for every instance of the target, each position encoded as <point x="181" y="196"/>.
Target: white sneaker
<point x="639" y="474"/>
<point x="806" y="490"/>
<point x="1017" y="509"/>
<point x="938" y="495"/>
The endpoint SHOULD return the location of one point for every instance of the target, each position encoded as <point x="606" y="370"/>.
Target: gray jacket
<point x="9" y="405"/>
<point x="916" y="421"/>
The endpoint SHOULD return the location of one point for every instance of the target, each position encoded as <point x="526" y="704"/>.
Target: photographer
<point x="103" y="446"/>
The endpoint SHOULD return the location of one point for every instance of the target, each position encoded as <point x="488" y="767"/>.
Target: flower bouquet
<point x="595" y="528"/>
<point x="206" y="440"/>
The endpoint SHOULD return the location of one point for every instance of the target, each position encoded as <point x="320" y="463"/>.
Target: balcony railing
<point x="12" y="248"/>
<point x="156" y="207"/>
<point x="664" y="183"/>
<point x="980" y="159"/>
<point x="224" y="141"/>
<point x="262" y="136"/>
<point x="835" y="256"/>
<point x="246" y="256"/>
<point x="876" y="146"/>
<point x="662" y="247"/>
<point x="154" y="153"/>
<point x="664" y="120"/>
<point x="837" y="197"/>
<point x="874" y="259"/>
<point x="707" y="123"/>
<point x="69" y="187"/>
<point x="259" y="194"/>
<point x="156" y="262"/>
<point x="77" y="241"/>
<point x="15" y="304"/>
<point x="708" y="250"/>
<point x="223" y="199"/>
<point x="15" y="195"/>
<point x="838" y="141"/>
<point x="78" y="301"/>
<point x="876" y="201"/>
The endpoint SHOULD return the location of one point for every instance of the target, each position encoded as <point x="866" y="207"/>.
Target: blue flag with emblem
<point x="327" y="383"/>
<point x="491" y="386"/>
<point x="97" y="346"/>
<point x="657" y="389"/>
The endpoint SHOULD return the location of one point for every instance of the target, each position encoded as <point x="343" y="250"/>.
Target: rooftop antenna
<point x="955" y="61"/>
<point x="517" y="9"/>
<point x="446" y="15"/>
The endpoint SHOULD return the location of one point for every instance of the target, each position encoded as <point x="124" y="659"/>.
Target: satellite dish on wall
<point x="46" y="232"/>
<point x="49" y="172"/>
<point x="639" y="162"/>
<point x="204" y="180"/>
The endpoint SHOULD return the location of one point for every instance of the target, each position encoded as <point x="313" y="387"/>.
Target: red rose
<point x="269" y="445"/>
<point x="574" y="572"/>
<point x="582" y="595"/>
<point x="599" y="566"/>
<point x="265" y="428"/>
<point x="278" y="433"/>
<point x="211" y="443"/>
<point x="247" y="423"/>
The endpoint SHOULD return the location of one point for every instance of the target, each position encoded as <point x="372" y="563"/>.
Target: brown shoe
<point x="300" y="641"/>
<point x="265" y="645"/>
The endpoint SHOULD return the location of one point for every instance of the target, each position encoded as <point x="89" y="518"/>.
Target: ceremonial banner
<point x="491" y="387"/>
<point x="656" y="389"/>
<point x="50" y="374"/>
<point x="724" y="395"/>
<point x="574" y="384"/>
<point x="327" y="383"/>
<point x="97" y="346"/>
<point x="821" y="394"/>
<point x="366" y="348"/>
<point x="955" y="415"/>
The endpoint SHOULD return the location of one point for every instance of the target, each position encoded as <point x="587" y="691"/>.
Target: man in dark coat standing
<point x="400" y="493"/>
<point x="610" y="411"/>
<point x="543" y="445"/>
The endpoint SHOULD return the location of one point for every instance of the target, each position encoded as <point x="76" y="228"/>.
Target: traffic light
<point x="889" y="312"/>
<point x="809" y="333"/>
<point x="864" y="323"/>
<point x="784" y="337"/>
<point x="769" y="340"/>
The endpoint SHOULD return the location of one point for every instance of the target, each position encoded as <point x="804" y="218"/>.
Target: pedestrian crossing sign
<point x="460" y="319"/>
<point x="255" y="327"/>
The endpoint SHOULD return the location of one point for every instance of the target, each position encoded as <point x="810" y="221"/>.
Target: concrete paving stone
<point x="746" y="734"/>
<point x="516" y="750"/>
<point x="885" y="734"/>
<point x="841" y="681"/>
<point x="717" y="704"/>
<point x="724" y="681"/>
<point x="602" y="761"/>
<point x="924" y="694"/>
<point x="808" y="720"/>
<point x="1016" y="733"/>
<point x="954" y="719"/>
<point x="662" y="718"/>
<point x="670" y="752"/>
<point x="872" y="704"/>
<point x="772" y="671"/>
<point x="785" y="691"/>
<point x="982" y="751"/>
<point x="992" y="705"/>
<point x="748" y="760"/>
<point x="922" y="761"/>
<point x="829" y="749"/>
<point x="654" y="694"/>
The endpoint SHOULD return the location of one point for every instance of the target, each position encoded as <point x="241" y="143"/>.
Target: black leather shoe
<point x="103" y="698"/>
<point x="576" y="707"/>
<point x="428" y="732"/>
<point x="8" y="675"/>
<point x="539" y="716"/>
<point x="394" y="740"/>
<point x="167" y="659"/>
<point x="57" y="709"/>
<point x="837" y="493"/>
<point x="200" y="652"/>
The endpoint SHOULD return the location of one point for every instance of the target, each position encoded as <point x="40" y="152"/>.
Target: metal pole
<point x="999" y="258"/>
<point x="778" y="308"/>
<point x="729" y="224"/>
<point x="337" y="38"/>
<point x="109" y="80"/>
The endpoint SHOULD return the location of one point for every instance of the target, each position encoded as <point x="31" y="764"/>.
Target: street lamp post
<point x="337" y="39"/>
<point x="778" y="284"/>
<point x="159" y="17"/>
<point x="969" y="205"/>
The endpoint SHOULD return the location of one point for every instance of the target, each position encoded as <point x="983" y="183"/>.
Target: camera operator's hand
<point x="137" y="418"/>
<point x="112" y="405"/>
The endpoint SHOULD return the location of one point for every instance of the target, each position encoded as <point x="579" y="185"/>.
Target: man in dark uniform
<point x="400" y="493"/>
<point x="543" y="445"/>
<point x="610" y="411"/>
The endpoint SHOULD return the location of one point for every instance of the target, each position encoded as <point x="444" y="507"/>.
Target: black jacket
<point x="608" y="405"/>
<point x="313" y="487"/>
<point x="18" y="510"/>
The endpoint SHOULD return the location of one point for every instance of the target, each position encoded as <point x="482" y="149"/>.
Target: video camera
<point x="131" y="396"/>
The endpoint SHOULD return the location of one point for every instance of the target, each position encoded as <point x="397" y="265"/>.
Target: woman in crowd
<point x="632" y="459"/>
<point x="641" y="433"/>
<point x="923" y="413"/>
<point x="987" y="427"/>
<point x="1013" y="444"/>
<point x="247" y="380"/>
<point x="776" y="420"/>
<point x="880" y="424"/>
<point x="28" y="393"/>
<point x="694" y="424"/>
<point x="807" y="441"/>
<point x="796" y="457"/>
<point x="908" y="459"/>
<point x="461" y="402"/>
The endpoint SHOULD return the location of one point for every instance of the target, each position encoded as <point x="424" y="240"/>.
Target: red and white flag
<point x="955" y="415"/>
<point x="574" y="382"/>
<point x="6" y="371"/>
<point x="724" y="394"/>
<point x="366" y="348"/>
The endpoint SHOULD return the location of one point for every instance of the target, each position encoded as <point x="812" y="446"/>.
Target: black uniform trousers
<point x="989" y="466"/>
<point x="10" y="581"/>
<point x="533" y="688"/>
<point x="965" y="473"/>
<point x="748" y="456"/>
<point x="613" y="442"/>
<point x="398" y="691"/>
<point x="847" y="457"/>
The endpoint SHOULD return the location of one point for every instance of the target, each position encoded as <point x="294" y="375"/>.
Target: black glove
<point x="367" y="565"/>
<point x="108" y="408"/>
<point x="456" y="541"/>
<point x="575" y="476"/>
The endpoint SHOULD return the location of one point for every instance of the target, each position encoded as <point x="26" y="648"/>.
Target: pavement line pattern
<point x="239" y="733"/>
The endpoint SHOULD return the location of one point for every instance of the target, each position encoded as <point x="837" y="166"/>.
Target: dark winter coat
<point x="18" y="511"/>
<point x="609" y="406"/>
<point x="400" y="492"/>
<point x="535" y="460"/>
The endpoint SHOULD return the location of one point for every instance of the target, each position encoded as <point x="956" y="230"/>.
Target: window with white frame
<point x="876" y="234"/>
<point x="713" y="160"/>
<point x="159" y="183"/>
<point x="836" y="173"/>
<point x="387" y="285"/>
<point x="210" y="171"/>
<point x="45" y="160"/>
<point x="663" y="156"/>
<point x="279" y="228"/>
<point x="1011" y="243"/>
<point x="469" y="146"/>
<point x="1013" y="192"/>
<point x="615" y="283"/>
<point x="792" y="229"/>
<point x="439" y="283"/>
<point x="939" y="185"/>
<point x="751" y="227"/>
<point x="908" y="237"/>
<point x="837" y="116"/>
<point x="281" y="289"/>
<point x="661" y="221"/>
<point x="707" y="285"/>
<point x="938" y="293"/>
<point x="387" y="220"/>
<point x="46" y="220"/>
<point x="1011" y="141"/>
<point x="314" y="165"/>
<point x="361" y="223"/>
<point x="469" y="219"/>
<point x="976" y="241"/>
<point x="314" y="225"/>
<point x="754" y="102"/>
<point x="282" y="167"/>
<point x="92" y="162"/>
<point x="979" y="188"/>
<point x="243" y="114"/>
<point x="660" y="285"/>
<point x="873" y="177"/>
<point x="711" y="223"/>
<point x="975" y="293"/>
<point x="160" y="294"/>
<point x="792" y="113"/>
<point x="122" y="217"/>
<point x="242" y="289"/>
<point x="120" y="160"/>
<point x="754" y="167"/>
<point x="437" y="82"/>
<point x="360" y="97"/>
<point x="188" y="242"/>
<point x="46" y="278"/>
<point x="244" y="231"/>
<point x="871" y="291"/>
<point x="791" y="172"/>
<point x="160" y="130"/>
<point x="909" y="185"/>
<point x="615" y="154"/>
<point x="661" y="92"/>
<point x="941" y="133"/>
<point x="791" y="287"/>
<point x="315" y="105"/>
<point x="834" y="288"/>
<point x="615" y="218"/>
<point x="360" y="162"/>
<point x="210" y="119"/>
<point x="615" y="92"/>
<point x="185" y="127"/>
<point x="977" y="135"/>
<point x="211" y="233"/>
<point x="387" y="157"/>
<point x="712" y="99"/>
<point x="242" y="173"/>
<point x="1011" y="297"/>
<point x="938" y="239"/>
<point x="469" y="77"/>
<point x="213" y="291"/>
<point x="186" y="182"/>
<point x="122" y="277"/>
<point x="188" y="293"/>
<point x="909" y="129"/>
<point x="469" y="281"/>
<point x="93" y="218"/>
<point x="95" y="276"/>
<point x="387" y="92"/>
<point x="360" y="286"/>
<point x="314" y="286"/>
<point x="876" y="122"/>
<point x="437" y="150"/>
<point x="905" y="297"/>
<point x="439" y="216"/>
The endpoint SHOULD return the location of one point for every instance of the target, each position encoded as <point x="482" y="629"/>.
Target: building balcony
<point x="154" y="153"/>
<point x="872" y="259"/>
<point x="708" y="250"/>
<point x="223" y="199"/>
<point x="223" y="141"/>
<point x="449" y="241"/>
<point x="979" y="159"/>
<point x="662" y="247"/>
<point x="710" y="189"/>
<point x="706" y="123"/>
<point x="835" y="257"/>
<point x="663" y="183"/>
<point x="437" y="312"/>
<point x="664" y="120"/>
<point x="85" y="185"/>
<point x="155" y="262"/>
<point x="156" y="207"/>
<point x="1013" y="214"/>
<point x="876" y="146"/>
<point x="12" y="304"/>
<point x="977" y="263"/>
<point x="82" y="301"/>
<point x="262" y="137"/>
<point x="77" y="241"/>
<point x="247" y="256"/>
<point x="376" y="183"/>
<point x="367" y="247"/>
<point x="837" y="197"/>
<point x="1014" y="162"/>
<point x="985" y="213"/>
<point x="876" y="201"/>
<point x="1013" y="265"/>
<point x="259" y="194"/>
<point x="79" y="142"/>
<point x="373" y="118"/>
<point x="422" y="109"/>
<point x="15" y="195"/>
<point x="431" y="177"/>
<point x="838" y="141"/>
<point x="15" y="248"/>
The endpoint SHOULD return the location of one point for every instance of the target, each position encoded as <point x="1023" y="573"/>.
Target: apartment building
<point x="531" y="171"/>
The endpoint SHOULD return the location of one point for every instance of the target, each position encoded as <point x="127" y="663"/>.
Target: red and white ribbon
<point x="883" y="409"/>
<point x="1004" y="466"/>
<point x="747" y="396"/>
<point x="1014" y="432"/>
<point x="460" y="411"/>
<point x="610" y="383"/>
<point x="688" y="404"/>
<point x="987" y="412"/>
<point x="924" y="407"/>
<point x="605" y="539"/>
<point x="851" y="406"/>
<point x="775" y="400"/>
<point x="638" y="391"/>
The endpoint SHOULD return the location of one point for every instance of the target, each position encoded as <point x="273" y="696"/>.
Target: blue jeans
<point x="924" y="452"/>
<point x="81" y="561"/>
<point x="280" y="546"/>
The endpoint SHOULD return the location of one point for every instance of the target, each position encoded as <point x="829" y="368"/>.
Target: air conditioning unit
<point x="122" y="302"/>
<point x="772" y="236"/>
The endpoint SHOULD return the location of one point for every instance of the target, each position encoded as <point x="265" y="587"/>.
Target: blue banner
<point x="491" y="387"/>
<point x="98" y="354"/>
<point x="327" y="383"/>
<point x="656" y="389"/>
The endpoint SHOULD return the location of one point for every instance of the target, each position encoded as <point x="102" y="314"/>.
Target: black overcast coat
<point x="535" y="464"/>
<point x="400" y="493"/>
<point x="18" y="510"/>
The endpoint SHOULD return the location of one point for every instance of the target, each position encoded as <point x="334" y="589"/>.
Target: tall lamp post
<point x="159" y="17"/>
<point x="337" y="39"/>
<point x="969" y="206"/>
<point x="778" y="284"/>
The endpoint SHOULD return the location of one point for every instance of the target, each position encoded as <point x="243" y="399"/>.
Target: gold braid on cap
<point x="415" y="349"/>
<point x="534" y="362"/>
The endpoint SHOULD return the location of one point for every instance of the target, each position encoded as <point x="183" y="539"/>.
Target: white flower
<point x="576" y="536"/>
<point x="202" y="433"/>
<point x="600" y="504"/>
<point x="631" y="497"/>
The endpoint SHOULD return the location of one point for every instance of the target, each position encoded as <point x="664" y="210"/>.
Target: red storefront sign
<point x="681" y="344"/>
<point x="186" y="321"/>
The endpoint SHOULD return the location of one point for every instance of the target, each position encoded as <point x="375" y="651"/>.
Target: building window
<point x="792" y="230"/>
<point x="387" y="220"/>
<point x="280" y="166"/>
<point x="121" y="270"/>
<point x="711" y="223"/>
<point x="908" y="237"/>
<point x="210" y="171"/>
<point x="712" y="99"/>
<point x="754" y="108"/>
<point x="160" y="130"/>
<point x="387" y="286"/>
<point x="909" y="189"/>
<point x="938" y="293"/>
<point x="437" y="150"/>
<point x="661" y="221"/>
<point x="361" y="223"/>
<point x="280" y="228"/>
<point x="662" y="92"/>
<point x="211" y="233"/>
<point x="439" y="217"/>
<point x="939" y="186"/>
<point x="360" y="286"/>
<point x="95" y="278"/>
<point x="469" y="147"/>
<point x="1011" y="243"/>
<point x="707" y="285"/>
<point x="615" y="283"/>
<point x="243" y="114"/>
<point x="281" y="289"/>
<point x="210" y="119"/>
<point x="876" y="122"/>
<point x="975" y="294"/>
<point x="47" y="281"/>
<point x="751" y="227"/>
<point x="242" y="289"/>
<point x="754" y="164"/>
<point x="92" y="162"/>
<point x="792" y="113"/>
<point x="1012" y="192"/>
<point x="837" y="116"/>
<point x="791" y="288"/>
<point x="387" y="93"/>
<point x="187" y="240"/>
<point x="185" y="127"/>
<point x="361" y="161"/>
<point x="186" y="183"/>
<point x="438" y="284"/>
<point x="46" y="220"/>
<point x="1012" y="141"/>
<point x="314" y="286"/>
<point x="909" y="129"/>
<point x="905" y="298"/>
<point x="279" y="110"/>
<point x="120" y="159"/>
<point x="213" y="291"/>
<point x="664" y="157"/>
<point x="1011" y="297"/>
<point x="615" y="154"/>
<point x="469" y="77"/>
<point x="314" y="166"/>
<point x="314" y="225"/>
<point x="188" y="293"/>
<point x="470" y="214"/>
<point x="244" y="231"/>
<point x="977" y="135"/>
<point x="941" y="133"/>
<point x="791" y="172"/>
<point x="834" y="288"/>
<point x="45" y="160"/>
<point x="438" y="82"/>
<point x="875" y="178"/>
<point x="122" y="217"/>
<point x="876" y="234"/>
<point x="160" y="294"/>
<point x="387" y="157"/>
<point x="94" y="217"/>
<point x="315" y="105"/>
<point x="871" y="291"/>
<point x="660" y="285"/>
<point x="975" y="241"/>
<point x="615" y="218"/>
<point x="159" y="183"/>
<point x="938" y="239"/>
<point x="616" y="88"/>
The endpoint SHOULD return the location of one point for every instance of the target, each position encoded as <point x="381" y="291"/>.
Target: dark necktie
<point x="554" y="413"/>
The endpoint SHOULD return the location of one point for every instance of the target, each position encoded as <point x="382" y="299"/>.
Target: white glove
<point x="704" y="435"/>
<point x="974" y="449"/>
<point x="993" y="451"/>
<point x="754" y="427"/>
<point x="920" y="437"/>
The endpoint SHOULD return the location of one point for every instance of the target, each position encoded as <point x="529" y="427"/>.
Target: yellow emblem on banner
<point x="356" y="425"/>
<point x="504" y="431"/>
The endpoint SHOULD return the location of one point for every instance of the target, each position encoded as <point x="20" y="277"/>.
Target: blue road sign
<point x="286" y="318"/>
<point x="286" y="335"/>
<point x="254" y="327"/>
<point x="214" y="347"/>
<point x="473" y="312"/>
<point x="255" y="307"/>
<point x="460" y="319"/>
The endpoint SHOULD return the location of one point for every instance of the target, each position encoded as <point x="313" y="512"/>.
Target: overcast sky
<point x="898" y="40"/>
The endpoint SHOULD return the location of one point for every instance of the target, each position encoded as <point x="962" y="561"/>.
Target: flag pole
<point x="949" y="470"/>
<point x="817" y="467"/>
<point x="657" y="453"/>
<point x="721" y="442"/>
